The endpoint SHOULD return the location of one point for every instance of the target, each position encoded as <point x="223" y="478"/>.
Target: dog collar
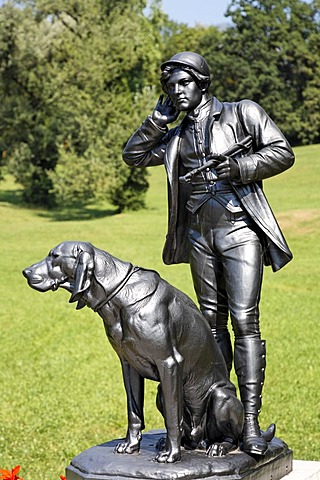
<point x="119" y="287"/>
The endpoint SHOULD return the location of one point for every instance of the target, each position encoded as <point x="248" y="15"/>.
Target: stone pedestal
<point x="101" y="463"/>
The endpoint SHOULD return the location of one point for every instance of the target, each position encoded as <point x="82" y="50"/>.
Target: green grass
<point x="61" y="386"/>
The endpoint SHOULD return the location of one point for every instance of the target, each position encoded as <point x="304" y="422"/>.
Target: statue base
<point x="101" y="463"/>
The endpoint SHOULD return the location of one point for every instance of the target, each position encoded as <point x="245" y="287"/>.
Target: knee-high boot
<point x="250" y="364"/>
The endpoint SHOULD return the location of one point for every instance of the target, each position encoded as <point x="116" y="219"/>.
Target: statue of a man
<point x="220" y="222"/>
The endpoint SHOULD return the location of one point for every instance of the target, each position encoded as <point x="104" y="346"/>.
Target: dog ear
<point x="82" y="277"/>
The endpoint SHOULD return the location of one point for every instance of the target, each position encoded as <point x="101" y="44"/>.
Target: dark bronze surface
<point x="159" y="334"/>
<point x="219" y="218"/>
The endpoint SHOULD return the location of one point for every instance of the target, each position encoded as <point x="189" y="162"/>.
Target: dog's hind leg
<point x="134" y="386"/>
<point x="224" y="422"/>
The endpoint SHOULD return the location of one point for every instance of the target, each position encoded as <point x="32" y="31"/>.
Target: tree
<point x="71" y="75"/>
<point x="27" y="130"/>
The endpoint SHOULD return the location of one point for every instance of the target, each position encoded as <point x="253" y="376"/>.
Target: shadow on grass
<point x="78" y="214"/>
<point x="15" y="198"/>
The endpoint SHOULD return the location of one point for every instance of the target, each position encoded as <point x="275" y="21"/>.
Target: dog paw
<point x="220" y="449"/>
<point x="167" y="457"/>
<point x="126" y="448"/>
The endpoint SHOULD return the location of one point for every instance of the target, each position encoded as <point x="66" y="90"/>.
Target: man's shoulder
<point x="248" y="109"/>
<point x="243" y="104"/>
<point x="250" y="106"/>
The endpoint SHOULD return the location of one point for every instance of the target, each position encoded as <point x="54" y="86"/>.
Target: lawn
<point x="61" y="386"/>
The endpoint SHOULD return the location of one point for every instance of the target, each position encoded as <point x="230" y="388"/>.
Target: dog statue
<point x="158" y="334"/>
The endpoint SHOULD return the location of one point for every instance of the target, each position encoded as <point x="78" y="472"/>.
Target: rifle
<point x="244" y="144"/>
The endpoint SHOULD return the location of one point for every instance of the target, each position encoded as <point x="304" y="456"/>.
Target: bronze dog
<point x="158" y="334"/>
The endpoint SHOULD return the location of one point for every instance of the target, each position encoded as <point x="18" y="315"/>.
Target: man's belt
<point x="212" y="189"/>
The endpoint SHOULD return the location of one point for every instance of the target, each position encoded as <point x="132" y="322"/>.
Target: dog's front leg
<point x="170" y="372"/>
<point x="134" y="386"/>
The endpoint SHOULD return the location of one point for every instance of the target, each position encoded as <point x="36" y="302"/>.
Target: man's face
<point x="183" y="91"/>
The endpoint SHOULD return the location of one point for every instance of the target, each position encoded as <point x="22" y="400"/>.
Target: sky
<point x="206" y="12"/>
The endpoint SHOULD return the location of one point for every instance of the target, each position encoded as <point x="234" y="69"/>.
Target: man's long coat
<point x="229" y="123"/>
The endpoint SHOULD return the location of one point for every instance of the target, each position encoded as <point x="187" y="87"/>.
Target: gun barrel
<point x="238" y="147"/>
<point x="245" y="144"/>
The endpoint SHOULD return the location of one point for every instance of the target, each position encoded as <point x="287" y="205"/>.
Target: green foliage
<point x="27" y="129"/>
<point x="77" y="180"/>
<point x="272" y="56"/>
<point x="61" y="381"/>
<point x="181" y="38"/>
<point x="129" y="185"/>
<point x="70" y="76"/>
<point x="128" y="193"/>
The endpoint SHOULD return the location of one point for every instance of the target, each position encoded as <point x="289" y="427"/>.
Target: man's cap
<point x="189" y="59"/>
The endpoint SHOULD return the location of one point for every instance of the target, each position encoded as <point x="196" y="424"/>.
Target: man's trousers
<point x="226" y="260"/>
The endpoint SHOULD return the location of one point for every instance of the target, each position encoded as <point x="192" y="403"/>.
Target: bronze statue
<point x="159" y="334"/>
<point x="219" y="219"/>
